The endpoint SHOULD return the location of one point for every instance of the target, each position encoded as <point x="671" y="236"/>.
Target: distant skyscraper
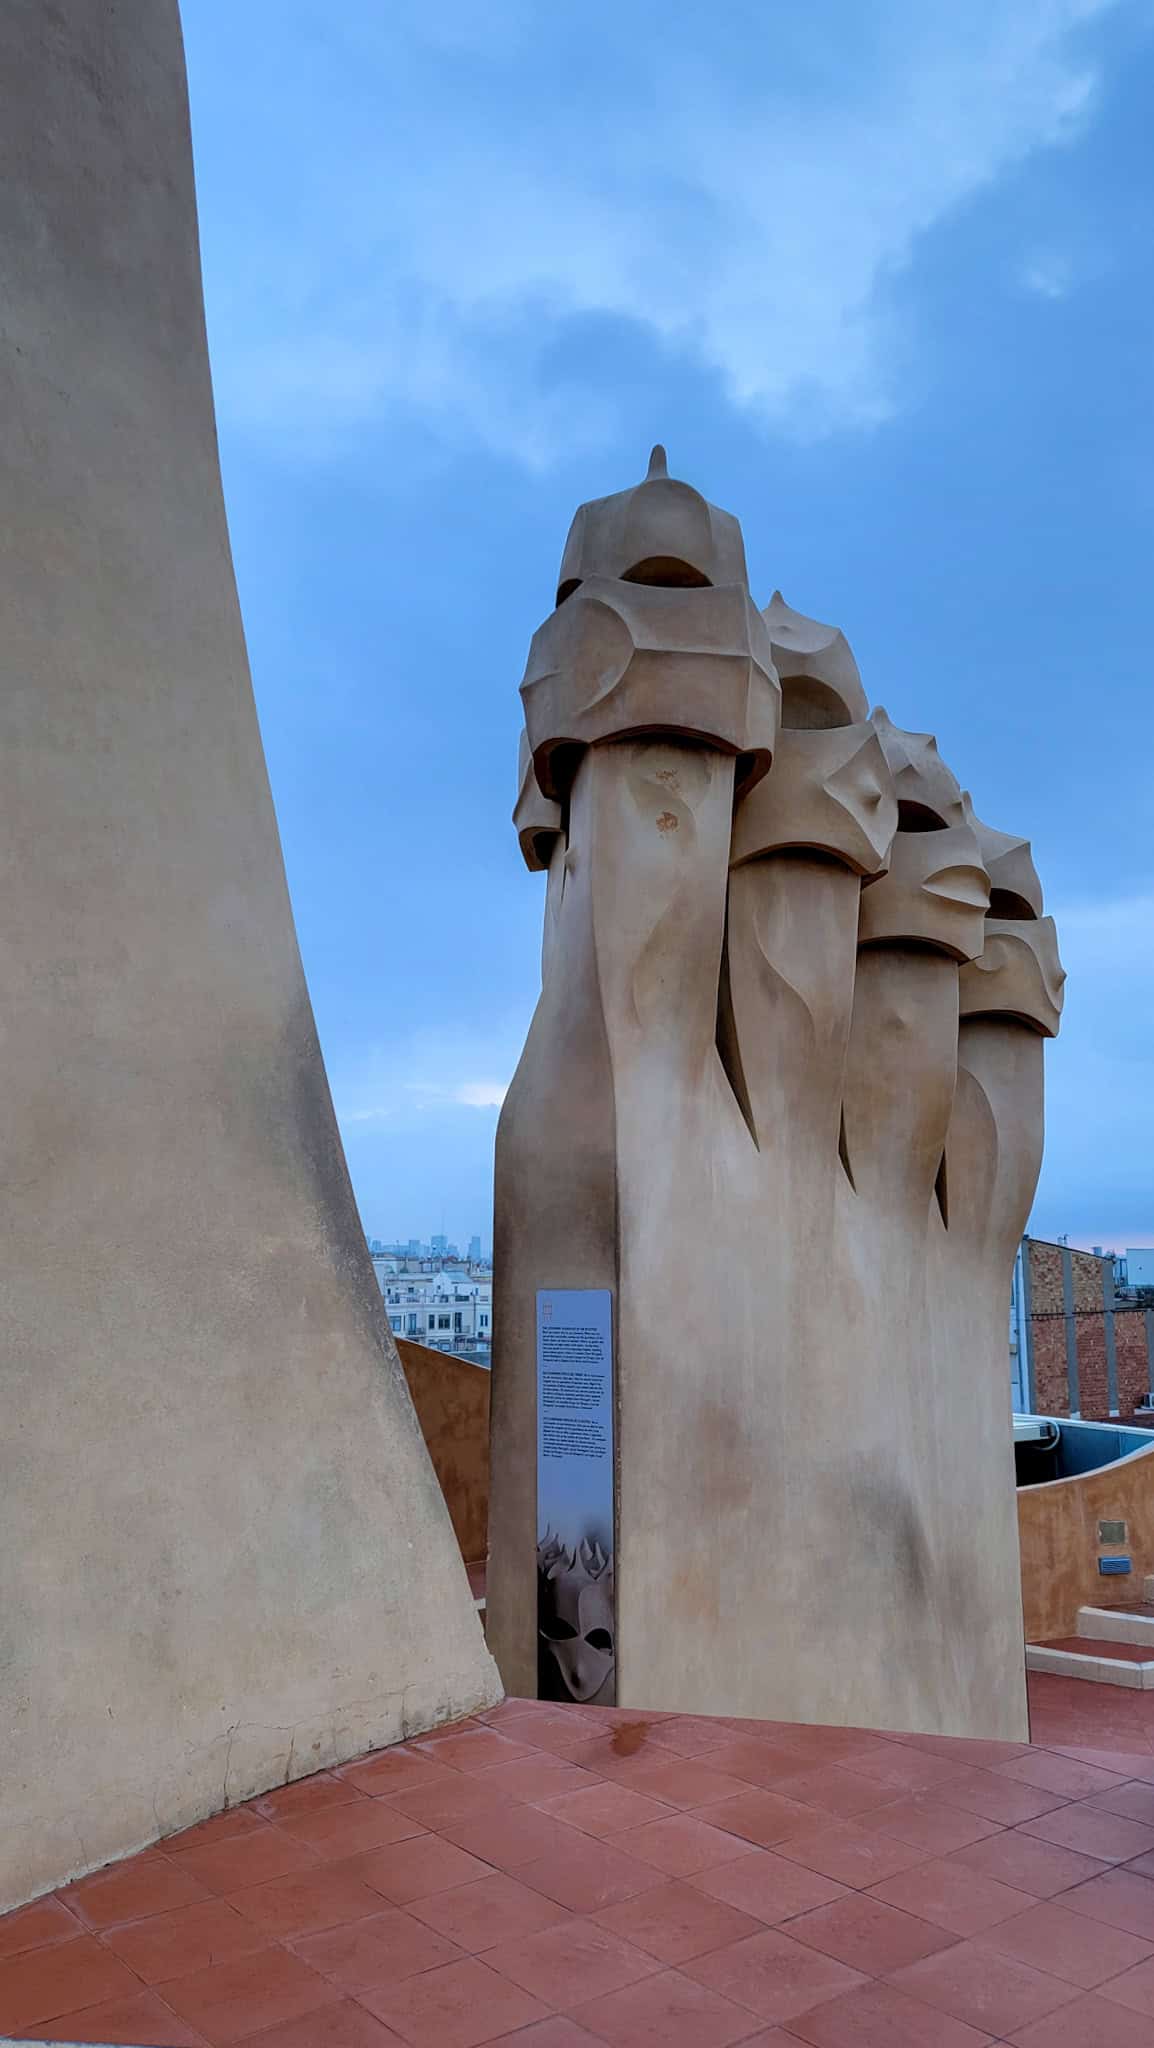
<point x="474" y="1247"/>
<point x="438" y="1246"/>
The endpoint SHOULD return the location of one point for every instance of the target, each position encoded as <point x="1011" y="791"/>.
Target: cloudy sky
<point x="883" y="280"/>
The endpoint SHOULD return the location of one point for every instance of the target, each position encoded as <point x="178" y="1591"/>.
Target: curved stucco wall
<point x="224" y="1557"/>
<point x="1061" y="1543"/>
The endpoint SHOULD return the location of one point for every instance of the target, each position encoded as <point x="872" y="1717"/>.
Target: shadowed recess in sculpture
<point x="728" y="1044"/>
<point x="1004" y="904"/>
<point x="942" y="1192"/>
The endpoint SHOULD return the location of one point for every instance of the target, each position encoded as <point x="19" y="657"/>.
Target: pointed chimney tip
<point x="658" y="463"/>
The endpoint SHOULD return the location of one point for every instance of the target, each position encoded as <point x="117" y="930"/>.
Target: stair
<point x="1132" y="1622"/>
<point x="1113" y="1646"/>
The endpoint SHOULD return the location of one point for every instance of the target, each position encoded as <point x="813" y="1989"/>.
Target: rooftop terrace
<point x="562" y="1877"/>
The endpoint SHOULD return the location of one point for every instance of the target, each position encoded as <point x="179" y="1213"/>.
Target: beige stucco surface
<point x="224" y="1557"/>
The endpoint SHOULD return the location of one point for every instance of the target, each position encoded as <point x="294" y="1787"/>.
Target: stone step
<point x="1133" y="1622"/>
<point x="1093" y="1658"/>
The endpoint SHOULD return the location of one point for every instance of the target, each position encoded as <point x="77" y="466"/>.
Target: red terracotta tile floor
<point x="549" y="1877"/>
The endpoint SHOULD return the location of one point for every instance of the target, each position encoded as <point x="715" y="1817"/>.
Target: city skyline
<point x="412" y="1245"/>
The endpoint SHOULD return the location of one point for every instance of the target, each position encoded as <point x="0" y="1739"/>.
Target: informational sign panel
<point x="577" y="1643"/>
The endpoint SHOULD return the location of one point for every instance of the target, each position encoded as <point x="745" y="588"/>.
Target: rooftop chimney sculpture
<point x="774" y="1135"/>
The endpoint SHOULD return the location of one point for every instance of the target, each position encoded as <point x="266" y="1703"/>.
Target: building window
<point x="443" y="1322"/>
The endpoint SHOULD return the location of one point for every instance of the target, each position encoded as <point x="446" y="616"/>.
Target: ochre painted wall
<point x="1058" y="1532"/>
<point x="451" y="1397"/>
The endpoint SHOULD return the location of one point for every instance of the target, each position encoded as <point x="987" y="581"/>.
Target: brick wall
<point x="1135" y="1365"/>
<point x="1089" y="1276"/>
<point x="1048" y="1334"/>
<point x="1045" y="1278"/>
<point x="1049" y="1346"/>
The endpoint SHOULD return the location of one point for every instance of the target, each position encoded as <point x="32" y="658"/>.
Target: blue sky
<point x="882" y="279"/>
